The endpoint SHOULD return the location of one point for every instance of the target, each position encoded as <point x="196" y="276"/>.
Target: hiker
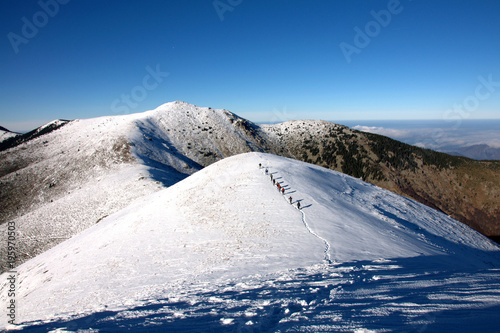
<point x="298" y="205"/>
<point x="290" y="200"/>
<point x="267" y="171"/>
<point x="271" y="177"/>
<point x="283" y="190"/>
<point x="260" y="165"/>
<point x="279" y="186"/>
<point x="274" y="181"/>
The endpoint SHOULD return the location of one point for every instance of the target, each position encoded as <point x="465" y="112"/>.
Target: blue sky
<point x="264" y="60"/>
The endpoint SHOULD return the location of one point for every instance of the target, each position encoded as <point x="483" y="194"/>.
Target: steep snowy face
<point x="229" y="221"/>
<point x="185" y="136"/>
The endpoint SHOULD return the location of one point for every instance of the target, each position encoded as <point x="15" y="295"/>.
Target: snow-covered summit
<point x="227" y="230"/>
<point x="203" y="135"/>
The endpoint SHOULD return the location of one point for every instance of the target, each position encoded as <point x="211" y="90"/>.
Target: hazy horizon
<point x="440" y="135"/>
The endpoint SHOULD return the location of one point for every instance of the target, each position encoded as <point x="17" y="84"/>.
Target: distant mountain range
<point x="69" y="175"/>
<point x="478" y="152"/>
<point x="474" y="138"/>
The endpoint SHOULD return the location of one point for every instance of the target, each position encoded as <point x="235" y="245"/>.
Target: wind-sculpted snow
<point x="224" y="250"/>
<point x="399" y="295"/>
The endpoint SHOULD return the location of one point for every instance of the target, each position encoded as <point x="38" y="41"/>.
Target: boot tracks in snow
<point x="327" y="257"/>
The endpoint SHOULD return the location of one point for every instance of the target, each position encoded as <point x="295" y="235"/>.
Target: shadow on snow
<point x="417" y="294"/>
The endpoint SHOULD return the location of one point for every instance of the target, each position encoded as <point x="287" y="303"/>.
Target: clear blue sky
<point x="264" y="60"/>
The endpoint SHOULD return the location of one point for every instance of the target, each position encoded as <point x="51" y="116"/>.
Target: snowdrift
<point x="224" y="249"/>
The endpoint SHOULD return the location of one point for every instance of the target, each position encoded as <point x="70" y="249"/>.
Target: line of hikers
<point x="278" y="185"/>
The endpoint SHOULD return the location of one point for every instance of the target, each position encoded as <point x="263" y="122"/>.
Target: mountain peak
<point x="175" y="104"/>
<point x="179" y="105"/>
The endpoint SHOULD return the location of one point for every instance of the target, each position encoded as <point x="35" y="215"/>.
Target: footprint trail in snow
<point x="327" y="257"/>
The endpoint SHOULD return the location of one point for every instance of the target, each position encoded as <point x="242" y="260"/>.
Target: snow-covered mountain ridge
<point x="58" y="184"/>
<point x="224" y="250"/>
<point x="6" y="134"/>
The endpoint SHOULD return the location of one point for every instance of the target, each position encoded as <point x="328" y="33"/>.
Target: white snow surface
<point x="223" y="250"/>
<point x="71" y="178"/>
<point x="4" y="135"/>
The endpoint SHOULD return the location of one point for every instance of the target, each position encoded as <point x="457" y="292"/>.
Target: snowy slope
<point x="5" y="134"/>
<point x="59" y="184"/>
<point x="201" y="134"/>
<point x="224" y="250"/>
